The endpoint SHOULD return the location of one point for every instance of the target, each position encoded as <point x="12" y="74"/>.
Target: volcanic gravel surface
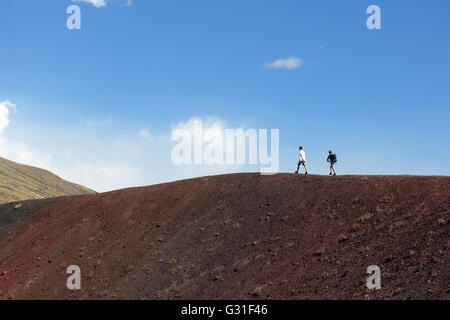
<point x="239" y="236"/>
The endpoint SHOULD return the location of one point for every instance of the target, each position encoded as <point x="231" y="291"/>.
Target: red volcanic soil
<point x="241" y="236"/>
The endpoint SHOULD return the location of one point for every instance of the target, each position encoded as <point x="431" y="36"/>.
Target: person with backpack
<point x="332" y="159"/>
<point x="302" y="160"/>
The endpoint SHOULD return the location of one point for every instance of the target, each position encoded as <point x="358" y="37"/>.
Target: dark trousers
<point x="300" y="162"/>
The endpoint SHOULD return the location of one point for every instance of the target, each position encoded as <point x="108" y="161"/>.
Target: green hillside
<point x="20" y="182"/>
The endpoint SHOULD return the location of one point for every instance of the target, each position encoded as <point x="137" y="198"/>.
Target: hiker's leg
<point x="298" y="166"/>
<point x="306" y="168"/>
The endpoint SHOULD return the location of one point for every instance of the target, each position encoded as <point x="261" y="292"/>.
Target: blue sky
<point x="379" y="98"/>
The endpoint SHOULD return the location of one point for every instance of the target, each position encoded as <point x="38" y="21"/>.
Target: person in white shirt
<point x="302" y="160"/>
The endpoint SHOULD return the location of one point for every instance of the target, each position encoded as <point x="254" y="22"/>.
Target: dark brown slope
<point x="234" y="236"/>
<point x="20" y="182"/>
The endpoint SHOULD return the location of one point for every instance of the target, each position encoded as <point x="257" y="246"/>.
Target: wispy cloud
<point x="103" y="3"/>
<point x="16" y="150"/>
<point x="95" y="3"/>
<point x="290" y="63"/>
<point x="144" y="133"/>
<point x="5" y="109"/>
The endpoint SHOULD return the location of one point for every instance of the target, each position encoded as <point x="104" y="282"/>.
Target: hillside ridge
<point x="20" y="182"/>
<point x="236" y="236"/>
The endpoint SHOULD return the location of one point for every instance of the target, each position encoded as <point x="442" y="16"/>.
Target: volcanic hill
<point x="239" y="236"/>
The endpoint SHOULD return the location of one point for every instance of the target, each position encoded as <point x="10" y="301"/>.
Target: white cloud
<point x="103" y="3"/>
<point x="95" y="3"/>
<point x="144" y="133"/>
<point x="18" y="151"/>
<point x="290" y="63"/>
<point x="210" y="123"/>
<point x="5" y="109"/>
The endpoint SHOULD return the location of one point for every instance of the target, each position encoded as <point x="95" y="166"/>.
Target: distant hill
<point x="238" y="236"/>
<point x="20" y="182"/>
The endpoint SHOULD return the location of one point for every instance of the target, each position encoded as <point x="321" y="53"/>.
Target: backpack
<point x="333" y="158"/>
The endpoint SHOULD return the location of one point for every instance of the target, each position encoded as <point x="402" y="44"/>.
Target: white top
<point x="302" y="155"/>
